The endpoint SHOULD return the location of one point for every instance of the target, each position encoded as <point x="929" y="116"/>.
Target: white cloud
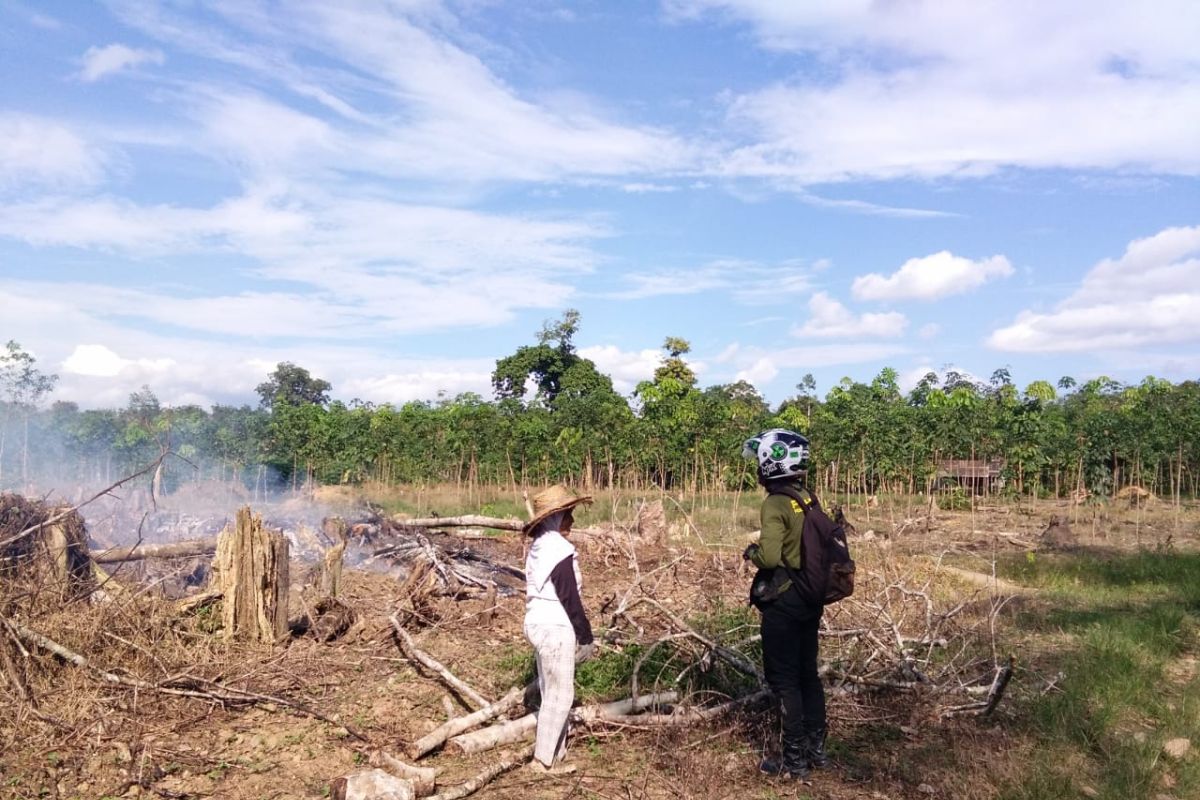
<point x="648" y="188"/>
<point x="101" y="61"/>
<point x="829" y="319"/>
<point x="747" y="282"/>
<point x="423" y="379"/>
<point x="759" y="365"/>
<point x="761" y="372"/>
<point x="929" y="330"/>
<point x="931" y="277"/>
<point x="262" y="131"/>
<point x="907" y="379"/>
<point x="629" y="368"/>
<point x="967" y="89"/>
<point x="33" y="149"/>
<point x="865" y="207"/>
<point x="437" y="111"/>
<point x="355" y="267"/>
<point x="94" y="359"/>
<point x="101" y="361"/>
<point x="1149" y="296"/>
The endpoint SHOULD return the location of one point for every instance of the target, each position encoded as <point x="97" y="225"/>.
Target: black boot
<point x="814" y="748"/>
<point x="793" y="763"/>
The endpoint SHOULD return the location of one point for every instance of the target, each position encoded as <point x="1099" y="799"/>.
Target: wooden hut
<point x="981" y="476"/>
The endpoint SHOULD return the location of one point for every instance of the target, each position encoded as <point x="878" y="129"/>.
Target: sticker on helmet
<point x="778" y="451"/>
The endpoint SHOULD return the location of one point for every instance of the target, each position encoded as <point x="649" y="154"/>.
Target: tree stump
<point x="331" y="560"/>
<point x="1058" y="534"/>
<point x="251" y="571"/>
<point x="652" y="523"/>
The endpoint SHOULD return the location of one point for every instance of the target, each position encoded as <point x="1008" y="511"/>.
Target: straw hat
<point x="551" y="500"/>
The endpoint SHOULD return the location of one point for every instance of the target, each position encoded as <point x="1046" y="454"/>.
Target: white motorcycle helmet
<point x="780" y="453"/>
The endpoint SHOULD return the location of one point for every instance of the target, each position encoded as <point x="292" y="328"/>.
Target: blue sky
<point x="395" y="194"/>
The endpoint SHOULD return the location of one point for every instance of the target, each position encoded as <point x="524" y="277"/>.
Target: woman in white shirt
<point x="555" y="622"/>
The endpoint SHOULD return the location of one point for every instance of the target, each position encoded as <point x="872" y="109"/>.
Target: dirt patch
<point x="993" y="583"/>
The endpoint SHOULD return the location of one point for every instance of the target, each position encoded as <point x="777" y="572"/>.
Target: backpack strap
<point x="806" y="501"/>
<point x="800" y="495"/>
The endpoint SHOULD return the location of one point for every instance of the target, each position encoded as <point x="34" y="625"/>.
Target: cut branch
<point x="437" y="737"/>
<point x="485" y="777"/>
<point x="415" y="654"/>
<point x="687" y="716"/>
<point x="180" y="686"/>
<point x="995" y="693"/>
<point x="467" y="521"/>
<point x="523" y="728"/>
<point x="196" y="547"/>
<point x="424" y="779"/>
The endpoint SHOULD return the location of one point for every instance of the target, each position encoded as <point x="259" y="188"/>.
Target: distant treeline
<point x="556" y="417"/>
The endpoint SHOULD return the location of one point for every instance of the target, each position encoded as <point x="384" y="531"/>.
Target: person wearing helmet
<point x="790" y="615"/>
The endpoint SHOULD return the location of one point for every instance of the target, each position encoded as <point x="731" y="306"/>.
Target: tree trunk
<point x="25" y="453"/>
<point x="3" y="432"/>
<point x="1179" y="477"/>
<point x="156" y="485"/>
<point x="251" y="571"/>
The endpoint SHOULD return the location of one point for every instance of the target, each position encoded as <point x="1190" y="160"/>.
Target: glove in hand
<point x="749" y="552"/>
<point x="584" y="652"/>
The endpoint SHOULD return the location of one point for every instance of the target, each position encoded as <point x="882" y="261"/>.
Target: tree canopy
<point x="1052" y="437"/>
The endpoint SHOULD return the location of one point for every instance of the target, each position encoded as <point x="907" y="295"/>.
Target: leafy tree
<point x="545" y="363"/>
<point x="671" y="409"/>
<point x="23" y="386"/>
<point x="290" y="385"/>
<point x="1041" y="391"/>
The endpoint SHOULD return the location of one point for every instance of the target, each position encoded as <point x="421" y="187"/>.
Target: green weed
<point x="1126" y="620"/>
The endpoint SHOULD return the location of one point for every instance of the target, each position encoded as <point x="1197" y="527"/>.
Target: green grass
<point x="1114" y="626"/>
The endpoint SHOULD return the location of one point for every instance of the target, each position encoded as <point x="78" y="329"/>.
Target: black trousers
<point x="789" y="639"/>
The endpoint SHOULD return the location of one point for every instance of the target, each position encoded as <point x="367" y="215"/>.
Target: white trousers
<point x="555" y="649"/>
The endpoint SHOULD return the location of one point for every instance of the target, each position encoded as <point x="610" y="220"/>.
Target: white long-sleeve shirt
<point x="542" y="605"/>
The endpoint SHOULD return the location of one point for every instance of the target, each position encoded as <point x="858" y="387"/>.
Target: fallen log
<point x="477" y="521"/>
<point x="195" y="547"/>
<point x="437" y="737"/>
<point x="466" y="521"/>
<point x="524" y="727"/>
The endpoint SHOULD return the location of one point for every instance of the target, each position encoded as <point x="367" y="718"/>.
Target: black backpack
<point x="826" y="573"/>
